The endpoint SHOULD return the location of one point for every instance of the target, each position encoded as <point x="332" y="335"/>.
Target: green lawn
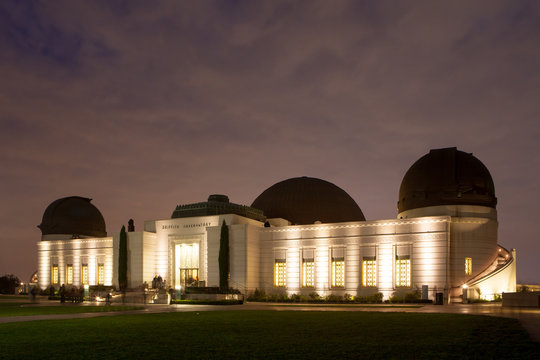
<point x="27" y="309"/>
<point x="270" y="335"/>
<point x="345" y="305"/>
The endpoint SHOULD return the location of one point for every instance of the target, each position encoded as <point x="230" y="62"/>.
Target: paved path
<point x="529" y="317"/>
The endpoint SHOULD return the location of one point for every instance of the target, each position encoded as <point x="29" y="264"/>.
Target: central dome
<point x="305" y="200"/>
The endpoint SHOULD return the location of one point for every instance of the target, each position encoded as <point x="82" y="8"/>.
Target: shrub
<point x="408" y="297"/>
<point x="412" y="296"/>
<point x="257" y="295"/>
<point x="298" y="298"/>
<point x="369" y="299"/>
<point x="332" y="298"/>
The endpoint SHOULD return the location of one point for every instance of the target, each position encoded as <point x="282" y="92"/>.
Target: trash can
<point x="438" y="298"/>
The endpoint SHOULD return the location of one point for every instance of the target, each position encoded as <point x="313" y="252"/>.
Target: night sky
<point x="143" y="105"/>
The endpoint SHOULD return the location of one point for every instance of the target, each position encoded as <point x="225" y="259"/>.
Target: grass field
<point x="270" y="335"/>
<point x="345" y="305"/>
<point x="28" y="309"/>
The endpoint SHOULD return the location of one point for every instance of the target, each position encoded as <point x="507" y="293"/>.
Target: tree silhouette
<point x="224" y="263"/>
<point x="122" y="260"/>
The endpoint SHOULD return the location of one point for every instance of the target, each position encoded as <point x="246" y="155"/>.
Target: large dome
<point x="446" y="177"/>
<point x="73" y="215"/>
<point x="305" y="200"/>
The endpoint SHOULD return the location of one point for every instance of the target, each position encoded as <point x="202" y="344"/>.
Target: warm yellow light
<point x="54" y="274"/>
<point x="280" y="273"/>
<point x="308" y="273"/>
<point x="369" y="273"/>
<point x="187" y="264"/>
<point x="464" y="286"/>
<point x="338" y="273"/>
<point x="403" y="272"/>
<point x="101" y="274"/>
<point x="468" y="266"/>
<point x="69" y="274"/>
<point x="84" y="274"/>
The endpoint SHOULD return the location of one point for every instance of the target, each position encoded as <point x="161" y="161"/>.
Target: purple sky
<point x="146" y="105"/>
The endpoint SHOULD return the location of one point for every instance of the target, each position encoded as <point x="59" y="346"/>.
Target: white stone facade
<point x="401" y="255"/>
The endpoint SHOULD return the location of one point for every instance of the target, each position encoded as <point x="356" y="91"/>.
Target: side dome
<point x="446" y="177"/>
<point x="305" y="200"/>
<point x="73" y="215"/>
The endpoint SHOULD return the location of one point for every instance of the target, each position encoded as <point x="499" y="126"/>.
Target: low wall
<point x="522" y="299"/>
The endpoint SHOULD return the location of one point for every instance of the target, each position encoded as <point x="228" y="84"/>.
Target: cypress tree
<point x="223" y="259"/>
<point x="122" y="260"/>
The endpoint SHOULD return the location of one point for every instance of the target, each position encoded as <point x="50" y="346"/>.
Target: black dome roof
<point x="446" y="177"/>
<point x="73" y="215"/>
<point x="304" y="200"/>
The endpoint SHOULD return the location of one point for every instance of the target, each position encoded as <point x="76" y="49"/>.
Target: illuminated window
<point x="338" y="267"/>
<point x="69" y="274"/>
<point x="54" y="274"/>
<point x="369" y="272"/>
<point x="84" y="274"/>
<point x="280" y="273"/>
<point x="101" y="274"/>
<point x="308" y="268"/>
<point x="468" y="266"/>
<point x="403" y="271"/>
<point x="338" y="273"/>
<point x="308" y="273"/>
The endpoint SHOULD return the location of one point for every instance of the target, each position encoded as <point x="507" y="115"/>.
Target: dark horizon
<point x="143" y="106"/>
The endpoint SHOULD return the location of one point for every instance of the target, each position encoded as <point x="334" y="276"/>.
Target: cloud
<point x="145" y="105"/>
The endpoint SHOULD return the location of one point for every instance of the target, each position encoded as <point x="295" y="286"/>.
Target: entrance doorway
<point x="186" y="265"/>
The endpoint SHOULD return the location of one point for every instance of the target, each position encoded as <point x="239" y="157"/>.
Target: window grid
<point x="280" y="273"/>
<point x="69" y="274"/>
<point x="54" y="274"/>
<point x="84" y="274"/>
<point x="369" y="273"/>
<point x="101" y="274"/>
<point x="308" y="273"/>
<point x="468" y="266"/>
<point x="403" y="272"/>
<point x="338" y="273"/>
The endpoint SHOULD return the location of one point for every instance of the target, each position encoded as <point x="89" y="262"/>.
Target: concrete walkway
<point x="529" y="317"/>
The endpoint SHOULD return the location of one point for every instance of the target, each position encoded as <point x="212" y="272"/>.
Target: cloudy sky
<point x="143" y="105"/>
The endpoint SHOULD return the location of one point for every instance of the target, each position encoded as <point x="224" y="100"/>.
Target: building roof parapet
<point x="217" y="205"/>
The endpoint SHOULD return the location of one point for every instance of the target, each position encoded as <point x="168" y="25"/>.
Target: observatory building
<point x="303" y="235"/>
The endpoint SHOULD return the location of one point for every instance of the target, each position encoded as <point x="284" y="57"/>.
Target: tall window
<point x="101" y="274"/>
<point x="308" y="268"/>
<point x="69" y="274"/>
<point x="338" y="267"/>
<point x="84" y="274"/>
<point x="403" y="271"/>
<point x="468" y="266"/>
<point x="369" y="272"/>
<point x="280" y="273"/>
<point x="54" y="274"/>
<point x="280" y="267"/>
